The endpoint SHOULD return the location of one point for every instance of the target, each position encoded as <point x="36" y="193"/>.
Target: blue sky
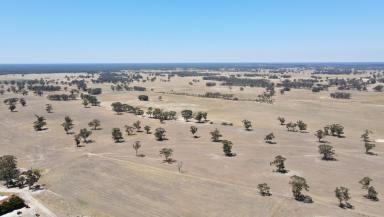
<point x="145" y="31"/>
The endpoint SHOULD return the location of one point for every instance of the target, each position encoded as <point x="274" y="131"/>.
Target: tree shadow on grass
<point x="164" y="139"/>
<point x="169" y="161"/>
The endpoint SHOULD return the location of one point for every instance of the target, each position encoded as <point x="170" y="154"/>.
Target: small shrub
<point x="143" y="98"/>
<point x="13" y="203"/>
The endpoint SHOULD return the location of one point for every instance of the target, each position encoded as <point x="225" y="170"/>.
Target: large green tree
<point x="39" y="123"/>
<point x="160" y="133"/>
<point x="167" y="153"/>
<point x="117" y="135"/>
<point x="327" y="151"/>
<point x="8" y="169"/>
<point x="298" y="185"/>
<point x="67" y="124"/>
<point x="85" y="133"/>
<point x="342" y="194"/>
<point x="227" y="148"/>
<point x="279" y="163"/>
<point x="187" y="114"/>
<point x="95" y="123"/>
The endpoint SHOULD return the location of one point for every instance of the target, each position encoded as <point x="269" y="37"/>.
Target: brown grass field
<point x="107" y="179"/>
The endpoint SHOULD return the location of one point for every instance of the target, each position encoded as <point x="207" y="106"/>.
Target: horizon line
<point x="229" y="62"/>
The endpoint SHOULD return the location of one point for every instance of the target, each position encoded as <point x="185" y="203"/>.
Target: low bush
<point x="12" y="204"/>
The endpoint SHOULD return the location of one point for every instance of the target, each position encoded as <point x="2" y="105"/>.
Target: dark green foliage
<point x="143" y="97"/>
<point x="84" y="133"/>
<point x="269" y="138"/>
<point x="10" y="101"/>
<point x="199" y="116"/>
<point x="162" y="115"/>
<point x="39" y="123"/>
<point x="336" y="130"/>
<point x="95" y="123"/>
<point x="61" y="97"/>
<point x="8" y="169"/>
<point x="247" y="124"/>
<point x="187" y="114"/>
<point x="227" y="148"/>
<point x="91" y="99"/>
<point x="342" y="193"/>
<point x="117" y="107"/>
<point x="167" y="153"/>
<point x="264" y="189"/>
<point x="218" y="95"/>
<point x="160" y="133"/>
<point x="193" y="130"/>
<point x="114" y="77"/>
<point x="372" y="194"/>
<point x="94" y="91"/>
<point x="327" y="151"/>
<point x="341" y="95"/>
<point x="147" y="129"/>
<point x="117" y="135"/>
<point x="371" y="191"/>
<point x="138" y="88"/>
<point x="365" y="182"/>
<point x="67" y="124"/>
<point x="31" y="177"/>
<point x="368" y="147"/>
<point x="302" y="126"/>
<point x="14" y="203"/>
<point x="233" y="81"/>
<point x="279" y="163"/>
<point x="44" y="88"/>
<point x="320" y="134"/>
<point x="77" y="140"/>
<point x="23" y="102"/>
<point x="298" y="185"/>
<point x="12" y="107"/>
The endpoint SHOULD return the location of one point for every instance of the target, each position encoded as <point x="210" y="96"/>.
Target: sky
<point x="184" y="31"/>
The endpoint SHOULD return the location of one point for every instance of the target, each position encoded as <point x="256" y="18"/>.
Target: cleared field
<point x="107" y="179"/>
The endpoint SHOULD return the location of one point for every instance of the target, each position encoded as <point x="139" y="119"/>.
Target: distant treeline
<point x="234" y="81"/>
<point x="111" y="77"/>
